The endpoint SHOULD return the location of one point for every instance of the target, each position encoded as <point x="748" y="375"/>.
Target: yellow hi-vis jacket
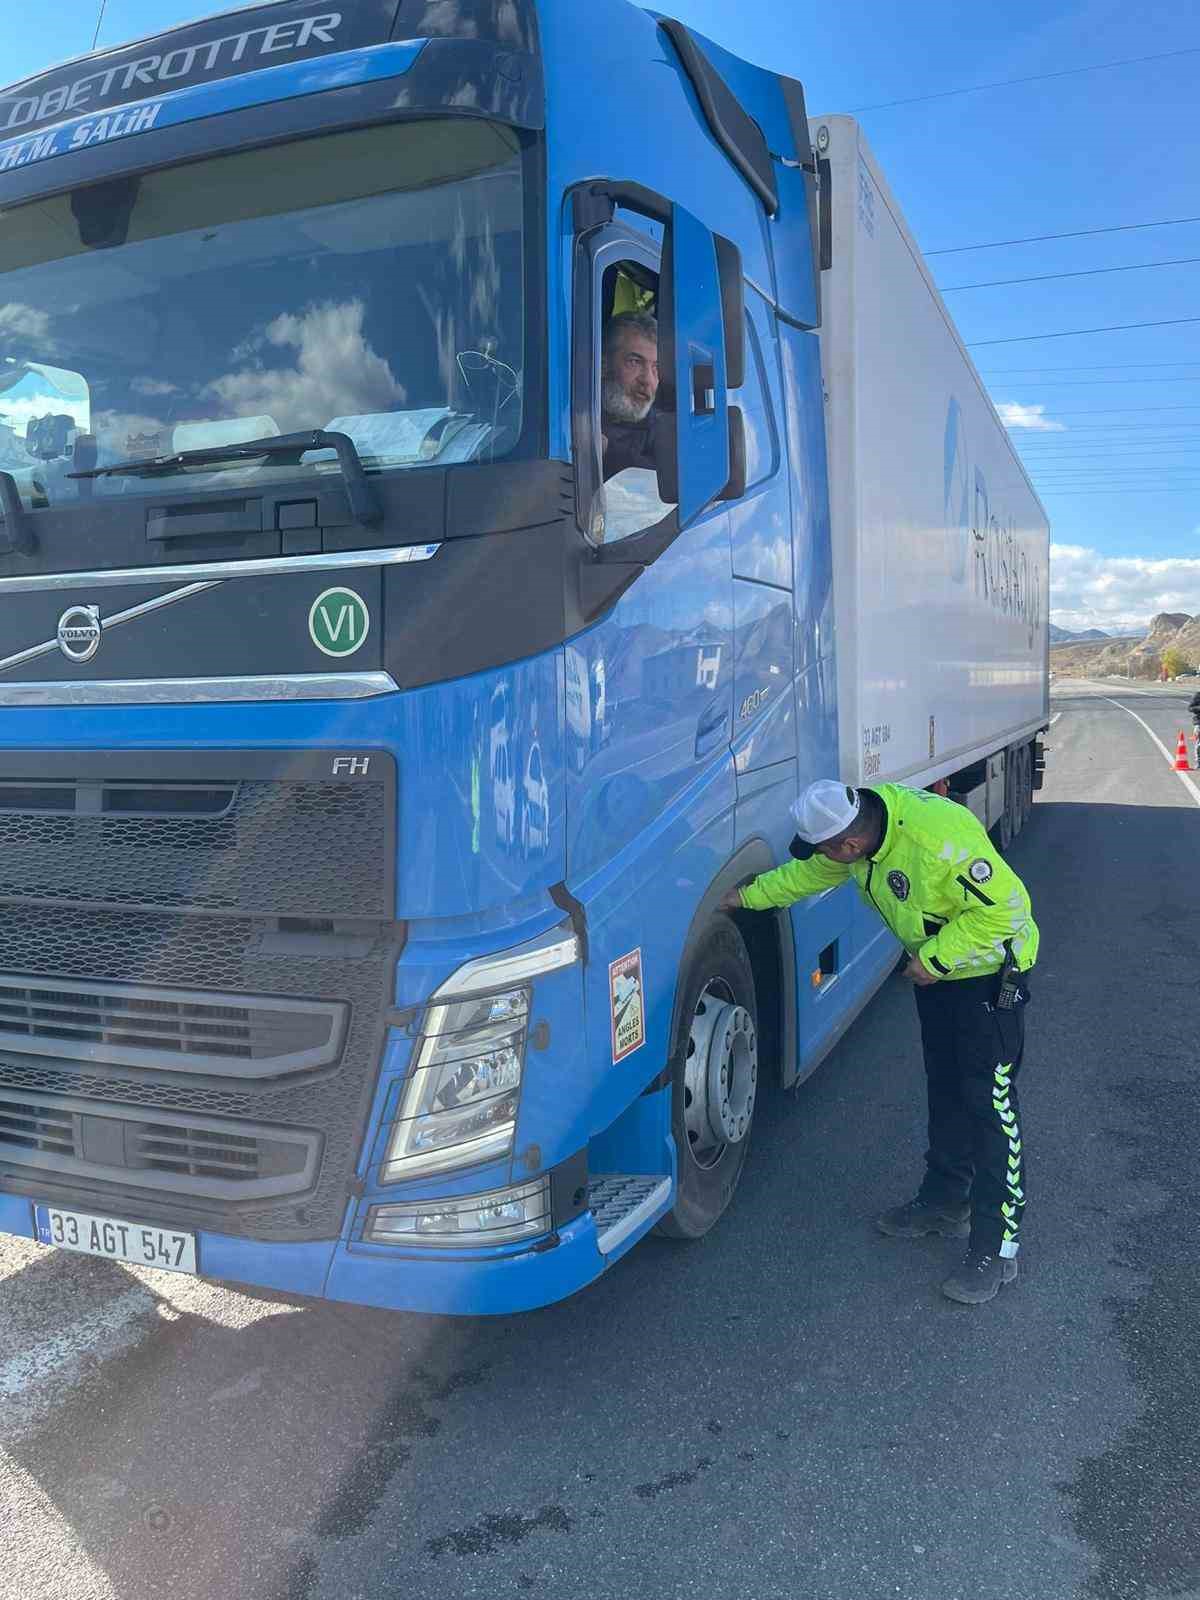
<point x="935" y="880"/>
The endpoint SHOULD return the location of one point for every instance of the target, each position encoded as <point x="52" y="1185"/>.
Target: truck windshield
<point x="369" y="283"/>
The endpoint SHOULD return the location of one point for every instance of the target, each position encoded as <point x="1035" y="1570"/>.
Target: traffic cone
<point x="1181" y="757"/>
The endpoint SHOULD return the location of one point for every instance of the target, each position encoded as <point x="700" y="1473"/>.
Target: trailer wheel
<point x="714" y="1080"/>
<point x="1002" y="833"/>
<point x="1027" y="788"/>
<point x="1019" y="781"/>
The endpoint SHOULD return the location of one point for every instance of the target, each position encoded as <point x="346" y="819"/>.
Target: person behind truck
<point x="927" y="866"/>
<point x="628" y="386"/>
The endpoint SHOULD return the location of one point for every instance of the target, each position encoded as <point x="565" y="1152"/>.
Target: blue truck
<point x="389" y="693"/>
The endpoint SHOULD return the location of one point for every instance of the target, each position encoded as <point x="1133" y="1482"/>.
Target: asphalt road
<point x="788" y="1409"/>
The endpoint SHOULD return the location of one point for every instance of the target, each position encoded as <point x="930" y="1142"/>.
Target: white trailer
<point x="940" y="544"/>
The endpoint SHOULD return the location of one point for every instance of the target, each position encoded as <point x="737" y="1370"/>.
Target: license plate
<point x="116" y="1240"/>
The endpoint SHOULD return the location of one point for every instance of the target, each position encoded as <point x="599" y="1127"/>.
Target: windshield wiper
<point x="363" y="506"/>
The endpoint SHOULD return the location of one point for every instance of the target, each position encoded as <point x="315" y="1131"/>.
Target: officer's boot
<point x="918" y="1217"/>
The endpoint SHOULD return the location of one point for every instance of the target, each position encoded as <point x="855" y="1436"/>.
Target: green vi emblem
<point x="338" y="622"/>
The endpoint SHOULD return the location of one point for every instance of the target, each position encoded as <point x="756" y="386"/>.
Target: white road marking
<point x="33" y="1380"/>
<point x="1055" y="718"/>
<point x="56" y="1330"/>
<point x="1184" y="778"/>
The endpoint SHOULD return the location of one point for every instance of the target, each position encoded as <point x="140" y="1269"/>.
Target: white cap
<point x="825" y="809"/>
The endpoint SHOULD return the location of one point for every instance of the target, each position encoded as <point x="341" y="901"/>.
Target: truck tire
<point x="714" y="1079"/>
<point x="1019" y="759"/>
<point x="1027" y="791"/>
<point x="1002" y="833"/>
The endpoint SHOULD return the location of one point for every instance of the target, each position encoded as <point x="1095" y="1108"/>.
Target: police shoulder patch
<point x="980" y="871"/>
<point x="898" y="884"/>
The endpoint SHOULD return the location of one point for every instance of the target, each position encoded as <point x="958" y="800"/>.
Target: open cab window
<point x="626" y="403"/>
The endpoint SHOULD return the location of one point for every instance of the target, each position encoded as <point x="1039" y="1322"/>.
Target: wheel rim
<point x="720" y="1077"/>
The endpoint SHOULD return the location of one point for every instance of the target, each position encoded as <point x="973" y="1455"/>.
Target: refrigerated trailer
<point x="375" y="751"/>
<point x="940" y="544"/>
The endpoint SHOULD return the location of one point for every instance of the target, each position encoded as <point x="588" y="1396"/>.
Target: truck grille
<point x="185" y="1156"/>
<point x="246" y="846"/>
<point x="197" y="950"/>
<point x="177" y="1030"/>
<point x="33" y="1127"/>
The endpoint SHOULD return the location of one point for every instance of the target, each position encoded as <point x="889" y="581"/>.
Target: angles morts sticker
<point x="628" y="1004"/>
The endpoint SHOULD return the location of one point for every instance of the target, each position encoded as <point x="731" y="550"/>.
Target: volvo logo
<point x="79" y="632"/>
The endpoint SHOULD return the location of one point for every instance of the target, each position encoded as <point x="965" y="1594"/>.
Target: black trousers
<point x="973" y="1053"/>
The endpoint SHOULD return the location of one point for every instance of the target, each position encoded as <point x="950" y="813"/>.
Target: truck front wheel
<point x="714" y="1080"/>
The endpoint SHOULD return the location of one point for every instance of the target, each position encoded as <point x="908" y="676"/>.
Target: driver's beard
<point x="619" y="406"/>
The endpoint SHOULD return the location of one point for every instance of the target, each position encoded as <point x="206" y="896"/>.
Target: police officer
<point x="964" y="917"/>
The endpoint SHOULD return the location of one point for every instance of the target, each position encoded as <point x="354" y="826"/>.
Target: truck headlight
<point x="502" y="1216"/>
<point x="459" y="1105"/>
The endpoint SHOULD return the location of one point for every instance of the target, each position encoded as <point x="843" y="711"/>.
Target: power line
<point x="1050" y="435"/>
<point x="1071" y="333"/>
<point x="1060" y="442"/>
<point x="99" y="20"/>
<point x="1077" y="233"/>
<point x="1167" y="472"/>
<point x="1037" y="77"/>
<point x="1045" y="435"/>
<point x="1098" y="383"/>
<point x="1101" y="427"/>
<point x="1050" y="277"/>
<point x="1078" y="446"/>
<point x="1114" y="441"/>
<point x="1116" y="463"/>
<point x="1056" y="458"/>
<point x="1053" y="493"/>
<point x="1065" y="494"/>
<point x="1115" y="366"/>
<point x="1112" y="367"/>
<point x="1187" y="463"/>
<point x="1125" y="474"/>
<point x="1126" y="411"/>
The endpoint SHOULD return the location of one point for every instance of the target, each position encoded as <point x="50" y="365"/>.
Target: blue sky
<point x="1116" y="452"/>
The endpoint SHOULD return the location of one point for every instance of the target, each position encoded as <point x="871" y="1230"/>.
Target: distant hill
<point x="1097" y="655"/>
<point x="1065" y="636"/>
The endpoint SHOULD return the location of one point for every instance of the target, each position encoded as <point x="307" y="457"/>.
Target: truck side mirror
<point x="692" y="438"/>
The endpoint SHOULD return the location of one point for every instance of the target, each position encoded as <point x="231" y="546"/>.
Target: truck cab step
<point x="622" y="1203"/>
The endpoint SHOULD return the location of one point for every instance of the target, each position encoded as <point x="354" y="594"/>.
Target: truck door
<point x="650" y="800"/>
<point x="663" y="654"/>
<point x="764" y="716"/>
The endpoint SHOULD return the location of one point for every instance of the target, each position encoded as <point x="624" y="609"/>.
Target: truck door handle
<point x="711" y="729"/>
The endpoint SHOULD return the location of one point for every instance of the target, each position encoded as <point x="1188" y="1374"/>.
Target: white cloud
<point x="19" y="412"/>
<point x="22" y="321"/>
<point x="1090" y="590"/>
<point x="335" y="373"/>
<point x="1013" y="415"/>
